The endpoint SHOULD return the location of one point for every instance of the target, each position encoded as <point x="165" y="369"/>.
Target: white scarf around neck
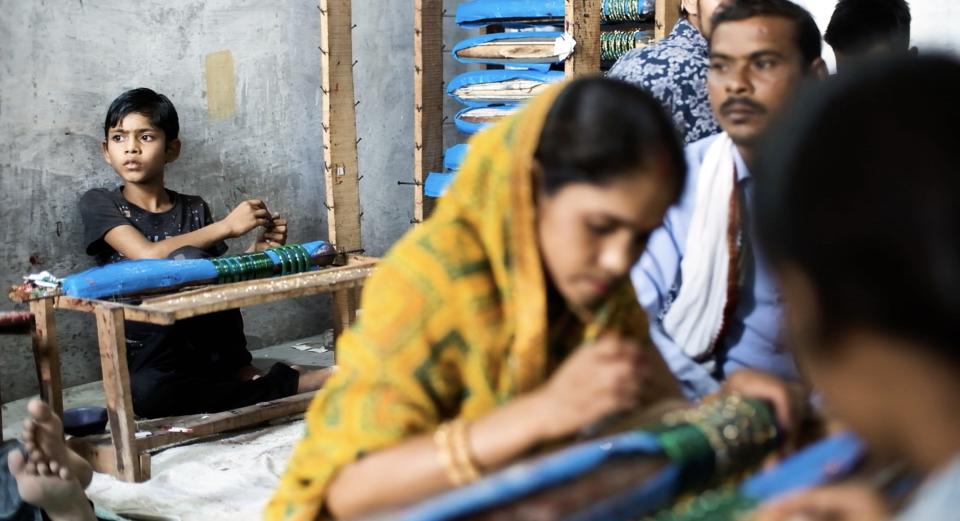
<point x="695" y="318"/>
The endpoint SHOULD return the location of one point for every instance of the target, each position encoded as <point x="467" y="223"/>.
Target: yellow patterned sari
<point x="454" y="321"/>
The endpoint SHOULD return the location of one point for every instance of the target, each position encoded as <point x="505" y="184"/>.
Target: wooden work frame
<point x="341" y="166"/>
<point x="123" y="453"/>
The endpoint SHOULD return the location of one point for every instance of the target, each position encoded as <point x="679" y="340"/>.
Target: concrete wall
<point x="64" y="61"/>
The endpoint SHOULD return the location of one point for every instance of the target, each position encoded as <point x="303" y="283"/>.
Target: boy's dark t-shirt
<point x="150" y="345"/>
<point x="103" y="209"/>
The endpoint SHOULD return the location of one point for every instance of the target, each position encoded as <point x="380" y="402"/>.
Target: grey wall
<point x="63" y="61"/>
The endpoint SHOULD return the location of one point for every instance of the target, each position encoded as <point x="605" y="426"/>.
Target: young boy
<point x="199" y="364"/>
<point x="859" y="212"/>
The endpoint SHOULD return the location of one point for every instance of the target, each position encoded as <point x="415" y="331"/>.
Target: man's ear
<point x="173" y="151"/>
<point x="818" y="69"/>
<point x="103" y="149"/>
<point x="690" y="7"/>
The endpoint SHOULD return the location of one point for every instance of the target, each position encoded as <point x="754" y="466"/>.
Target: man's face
<point x="755" y="67"/>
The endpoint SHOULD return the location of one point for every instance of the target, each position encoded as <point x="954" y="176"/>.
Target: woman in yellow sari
<point x="507" y="320"/>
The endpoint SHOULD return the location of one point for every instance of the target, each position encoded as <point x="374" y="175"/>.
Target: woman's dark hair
<point x="599" y="129"/>
<point x="157" y="107"/>
<point x="857" y="25"/>
<point x="859" y="190"/>
<point x="806" y="34"/>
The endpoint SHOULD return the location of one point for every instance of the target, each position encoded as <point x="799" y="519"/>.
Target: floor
<point x="229" y="477"/>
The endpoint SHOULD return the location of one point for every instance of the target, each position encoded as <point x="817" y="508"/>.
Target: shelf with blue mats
<point x="524" y="46"/>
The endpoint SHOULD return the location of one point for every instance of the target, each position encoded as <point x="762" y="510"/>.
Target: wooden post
<point x="582" y="21"/>
<point x="340" y="140"/>
<point x="46" y="354"/>
<point x="116" y="388"/>
<point x="668" y="12"/>
<point x="428" y="97"/>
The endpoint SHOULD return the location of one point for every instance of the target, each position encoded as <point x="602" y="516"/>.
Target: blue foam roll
<point x="134" y="277"/>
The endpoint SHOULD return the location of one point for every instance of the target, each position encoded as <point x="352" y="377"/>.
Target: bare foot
<point x="43" y="439"/>
<point x="58" y="493"/>
<point x="312" y="380"/>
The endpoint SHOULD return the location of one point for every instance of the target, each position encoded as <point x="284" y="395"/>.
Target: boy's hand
<point x="245" y="217"/>
<point x="272" y="235"/>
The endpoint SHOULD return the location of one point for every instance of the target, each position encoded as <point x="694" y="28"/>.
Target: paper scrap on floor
<point x="313" y="347"/>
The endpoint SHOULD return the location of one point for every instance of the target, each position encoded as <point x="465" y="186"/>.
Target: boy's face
<point x="138" y="151"/>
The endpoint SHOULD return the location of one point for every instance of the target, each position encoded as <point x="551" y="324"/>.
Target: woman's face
<point x="591" y="235"/>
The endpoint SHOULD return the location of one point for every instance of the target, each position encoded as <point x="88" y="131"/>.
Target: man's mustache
<point x="733" y="103"/>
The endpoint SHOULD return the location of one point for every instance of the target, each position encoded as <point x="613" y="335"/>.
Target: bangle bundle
<point x="453" y="451"/>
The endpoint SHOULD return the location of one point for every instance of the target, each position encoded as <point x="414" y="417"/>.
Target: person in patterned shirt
<point x="674" y="70"/>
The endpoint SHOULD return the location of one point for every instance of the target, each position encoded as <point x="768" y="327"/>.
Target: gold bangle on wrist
<point x="464" y="462"/>
<point x="441" y="439"/>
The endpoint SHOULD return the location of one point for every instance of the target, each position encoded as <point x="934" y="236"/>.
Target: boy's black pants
<point x="190" y="367"/>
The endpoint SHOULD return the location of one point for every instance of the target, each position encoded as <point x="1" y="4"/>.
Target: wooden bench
<point x="124" y="454"/>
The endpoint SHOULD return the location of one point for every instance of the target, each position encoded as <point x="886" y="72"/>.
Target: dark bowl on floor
<point x="84" y="421"/>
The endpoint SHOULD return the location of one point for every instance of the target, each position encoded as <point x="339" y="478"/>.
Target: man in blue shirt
<point x="713" y="305"/>
<point x="674" y="70"/>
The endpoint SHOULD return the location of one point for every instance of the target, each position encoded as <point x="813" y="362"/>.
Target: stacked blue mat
<point x="521" y="18"/>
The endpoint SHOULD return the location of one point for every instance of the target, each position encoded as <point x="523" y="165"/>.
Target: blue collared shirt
<point x="753" y="338"/>
<point x="674" y="70"/>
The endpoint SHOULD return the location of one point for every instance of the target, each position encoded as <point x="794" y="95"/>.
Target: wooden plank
<point x="116" y="387"/>
<point x="232" y="296"/>
<point x="131" y="312"/>
<point x="340" y="138"/>
<point x="582" y="21"/>
<point x="103" y="458"/>
<point x="427" y="97"/>
<point x="205" y="425"/>
<point x="668" y="12"/>
<point x="46" y="354"/>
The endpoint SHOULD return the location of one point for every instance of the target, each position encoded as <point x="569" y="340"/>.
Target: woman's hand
<point x="597" y="380"/>
<point x="836" y="503"/>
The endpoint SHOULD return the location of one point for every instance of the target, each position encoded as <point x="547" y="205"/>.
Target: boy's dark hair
<point x="860" y="191"/>
<point x="857" y="25"/>
<point x="599" y="129"/>
<point x="805" y="30"/>
<point x="157" y="107"/>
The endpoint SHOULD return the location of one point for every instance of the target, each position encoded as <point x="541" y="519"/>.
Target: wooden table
<point x="123" y="453"/>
